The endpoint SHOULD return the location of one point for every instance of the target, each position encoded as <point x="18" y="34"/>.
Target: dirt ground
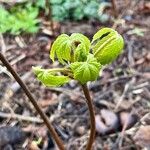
<point x="122" y="90"/>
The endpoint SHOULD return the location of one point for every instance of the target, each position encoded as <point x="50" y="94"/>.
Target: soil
<point x="123" y="87"/>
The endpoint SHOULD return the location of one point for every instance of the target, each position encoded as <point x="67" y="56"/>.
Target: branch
<point x="33" y="101"/>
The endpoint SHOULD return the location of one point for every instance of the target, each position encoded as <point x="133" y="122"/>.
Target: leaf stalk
<point x="92" y="116"/>
<point x="63" y="70"/>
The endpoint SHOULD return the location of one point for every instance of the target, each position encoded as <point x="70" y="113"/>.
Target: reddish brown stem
<point x="92" y="117"/>
<point x="33" y="101"/>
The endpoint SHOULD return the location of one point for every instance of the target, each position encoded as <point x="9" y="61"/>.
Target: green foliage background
<point x="24" y="17"/>
<point x="77" y="9"/>
<point x="19" y="19"/>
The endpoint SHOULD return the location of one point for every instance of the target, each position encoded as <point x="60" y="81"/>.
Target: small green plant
<point x="19" y="19"/>
<point x="82" y="61"/>
<point x="76" y="9"/>
<point x="23" y="18"/>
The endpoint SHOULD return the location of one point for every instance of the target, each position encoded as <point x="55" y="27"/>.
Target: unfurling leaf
<point x="49" y="78"/>
<point x="81" y="45"/>
<point x="61" y="48"/>
<point x="64" y="47"/>
<point x="86" y="71"/>
<point x="78" y="38"/>
<point x="106" y="45"/>
<point x="80" y="53"/>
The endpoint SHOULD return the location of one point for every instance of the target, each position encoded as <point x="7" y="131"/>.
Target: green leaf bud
<point x="86" y="71"/>
<point x="64" y="47"/>
<point x="106" y="45"/>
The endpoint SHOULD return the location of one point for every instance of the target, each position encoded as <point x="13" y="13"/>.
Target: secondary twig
<point x="122" y="96"/>
<point x="114" y="26"/>
<point x="123" y="131"/>
<point x="49" y="15"/>
<point x="33" y="101"/>
<point x="20" y="117"/>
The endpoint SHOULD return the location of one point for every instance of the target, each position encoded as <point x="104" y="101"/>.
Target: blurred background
<point x="122" y="91"/>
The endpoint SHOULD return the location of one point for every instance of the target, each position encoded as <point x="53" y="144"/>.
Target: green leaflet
<point x="61" y="48"/>
<point x="80" y="38"/>
<point x="81" y="45"/>
<point x="64" y="45"/>
<point x="86" y="71"/>
<point x="107" y="44"/>
<point x="80" y="53"/>
<point x="48" y="78"/>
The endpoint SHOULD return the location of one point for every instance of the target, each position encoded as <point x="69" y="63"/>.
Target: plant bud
<point x="106" y="45"/>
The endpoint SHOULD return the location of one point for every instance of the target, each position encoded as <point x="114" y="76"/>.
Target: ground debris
<point x="124" y="82"/>
<point x="10" y="136"/>
<point x="142" y="136"/>
<point x="108" y="122"/>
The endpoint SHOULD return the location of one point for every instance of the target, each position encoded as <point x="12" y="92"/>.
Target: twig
<point x="120" y="138"/>
<point x="15" y="86"/>
<point x="147" y="115"/>
<point x="49" y="15"/>
<point x="3" y="46"/>
<point x="4" y="70"/>
<point x="92" y="117"/>
<point x="121" y="15"/>
<point x="20" y="117"/>
<point x="122" y="96"/>
<point x="117" y="79"/>
<point x="69" y="93"/>
<point x="21" y="43"/>
<point x="123" y="131"/>
<point x="142" y="85"/>
<point x="33" y="101"/>
<point x="130" y="53"/>
<point x="114" y="7"/>
<point x="17" y="59"/>
<point x="10" y="1"/>
<point x="127" y="87"/>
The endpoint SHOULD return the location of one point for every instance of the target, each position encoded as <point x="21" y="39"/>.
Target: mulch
<point x="123" y="87"/>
